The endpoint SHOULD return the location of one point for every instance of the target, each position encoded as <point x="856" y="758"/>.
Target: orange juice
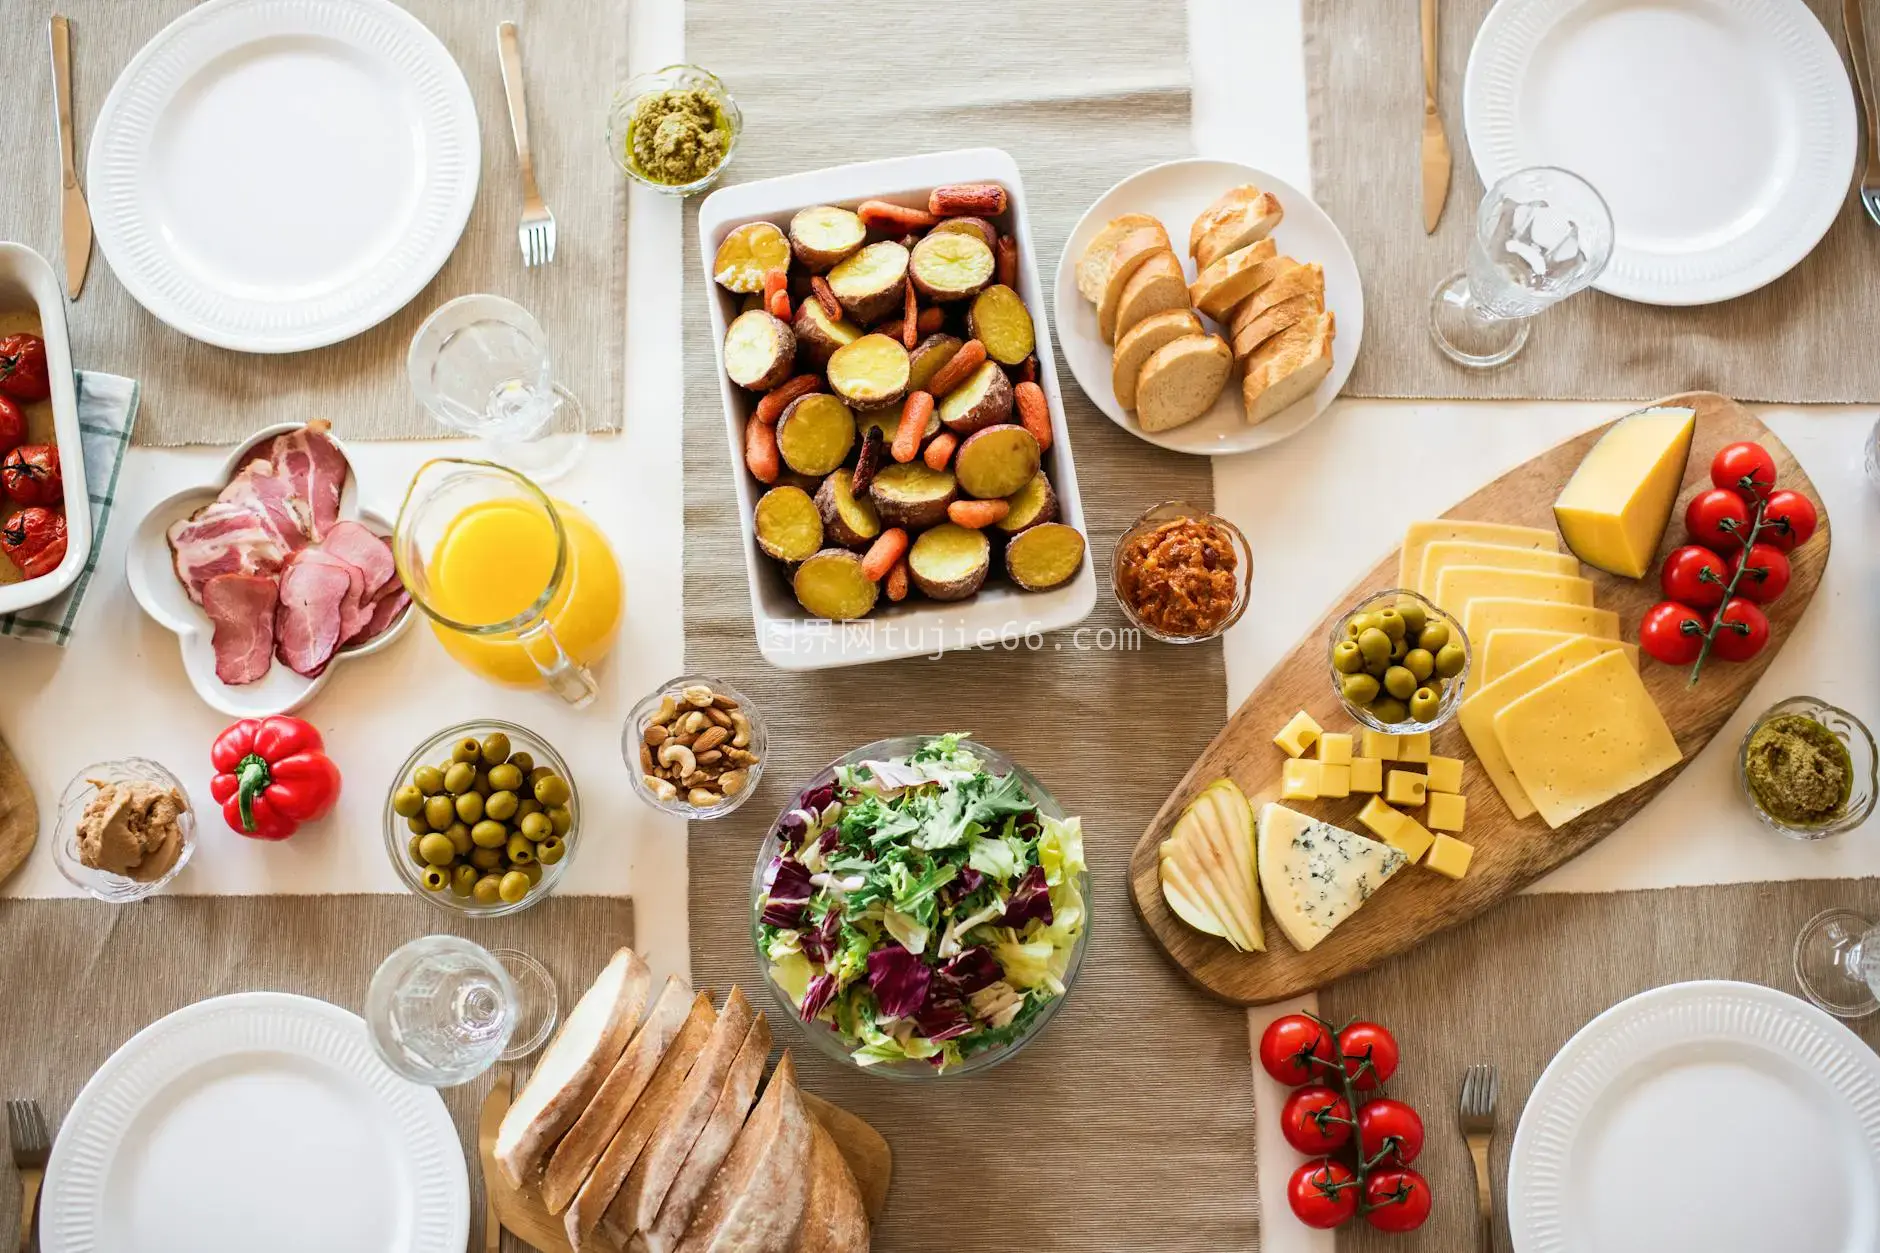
<point x="491" y="564"/>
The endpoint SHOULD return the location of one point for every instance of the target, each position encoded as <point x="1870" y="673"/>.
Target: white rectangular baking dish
<point x="1000" y="612"/>
<point x="27" y="279"/>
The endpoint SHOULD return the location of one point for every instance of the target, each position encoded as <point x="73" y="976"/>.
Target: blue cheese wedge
<point x="1315" y="875"/>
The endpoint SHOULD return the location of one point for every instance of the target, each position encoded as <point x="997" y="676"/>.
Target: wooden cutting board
<point x="19" y="813"/>
<point x="1416" y="903"/>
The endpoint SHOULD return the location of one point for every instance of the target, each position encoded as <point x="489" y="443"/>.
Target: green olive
<point x="439" y="811"/>
<point x="528" y="806"/>
<point x="538" y="774"/>
<point x="495" y="748"/>
<point x="514" y="886"/>
<point x="434" y="878"/>
<point x="522" y="762"/>
<point x="459" y="836"/>
<point x="407" y="801"/>
<point x="467" y="750"/>
<point x="506" y="777"/>
<point x="1399" y="649"/>
<point x="417" y="825"/>
<point x="1346" y="659"/>
<point x="537" y="826"/>
<point x="470" y="807"/>
<point x="532" y="872"/>
<point x="460" y="778"/>
<point x="1390" y="709"/>
<point x="482" y="785"/>
<point x="1424" y="703"/>
<point x="1374" y="645"/>
<point x="436" y="848"/>
<point x="550" y="851"/>
<point x="489" y="834"/>
<point x="1391" y="623"/>
<point x="520" y="851"/>
<point x="1419" y="662"/>
<point x="501" y="806"/>
<point x="429" y="780"/>
<point x="463" y="881"/>
<point x="553" y="791"/>
<point x="1360" y="689"/>
<point x="1376" y="668"/>
<point x="1450" y="660"/>
<point x="561" y="819"/>
<point x="488" y="890"/>
<point x="412" y="846"/>
<point x="1433" y="637"/>
<point x="1413" y="616"/>
<point x="486" y="858"/>
<point x="1399" y="682"/>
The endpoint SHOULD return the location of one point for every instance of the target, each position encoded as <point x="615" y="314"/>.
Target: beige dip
<point x="132" y="829"/>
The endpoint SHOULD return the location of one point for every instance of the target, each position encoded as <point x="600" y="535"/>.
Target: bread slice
<point x="1157" y="286"/>
<point x="1181" y="381"/>
<point x="1093" y="265"/>
<point x="1293" y="279"/>
<point x="1135" y="345"/>
<point x="1286" y="368"/>
<point x="1132" y="252"/>
<point x="1233" y="278"/>
<point x="1241" y="216"/>
<point x="835" y="1220"/>
<point x="573" y="1066"/>
<point x="1276" y="319"/>
<point x="757" y="1199"/>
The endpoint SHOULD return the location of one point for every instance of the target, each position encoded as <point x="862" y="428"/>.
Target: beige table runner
<point x="1127" y="1125"/>
<point x="1805" y="338"/>
<point x="574" y="55"/>
<point x="1513" y="986"/>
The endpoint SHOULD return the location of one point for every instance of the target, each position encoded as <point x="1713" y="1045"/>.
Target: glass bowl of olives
<point x="1398" y="663"/>
<point x="482" y="818"/>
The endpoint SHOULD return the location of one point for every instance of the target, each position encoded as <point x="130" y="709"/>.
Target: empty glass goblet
<point x="441" y="1010"/>
<point x="1837" y="962"/>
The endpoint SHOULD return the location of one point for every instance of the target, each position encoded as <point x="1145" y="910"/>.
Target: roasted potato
<point x="823" y="236"/>
<point x="815" y="434"/>
<point x="928" y="356"/>
<point x="850" y="520"/>
<point x="888" y="421"/>
<point x="760" y="350"/>
<point x="908" y="494"/>
<point x="983" y="400"/>
<point x="817" y="336"/>
<point x="789" y="527"/>
<point x="1033" y="504"/>
<point x="949" y="562"/>
<point x="1045" y="556"/>
<point x="831" y="584"/>
<point x="868" y="285"/>
<point x="748" y="253"/>
<point x="951" y="265"/>
<point x="997" y="462"/>
<point x="971" y="226"/>
<point x="870" y="372"/>
<point x="998" y="319"/>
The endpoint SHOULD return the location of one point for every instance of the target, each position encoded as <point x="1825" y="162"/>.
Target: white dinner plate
<point x="276" y="175"/>
<point x="1720" y="132"/>
<point x="1175" y="193"/>
<point x="1726" y="1117"/>
<point x="249" y="1122"/>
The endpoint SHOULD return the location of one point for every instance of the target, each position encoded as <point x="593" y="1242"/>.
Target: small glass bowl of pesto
<point x="674" y="129"/>
<point x="1808" y="769"/>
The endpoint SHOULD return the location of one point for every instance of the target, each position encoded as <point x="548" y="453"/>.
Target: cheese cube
<point x="1445" y="774"/>
<point x="1367" y="774"/>
<point x="1450" y="857"/>
<point x="1613" y="511"/>
<point x="1414" y="748"/>
<point x="1380" y="745"/>
<point x="1335" y="748"/>
<point x="1380" y="818"/>
<point x="1300" y="780"/>
<point x="1334" y="781"/>
<point x="1447" y="810"/>
<point x="1410" y="838"/>
<point x="1404" y="788"/>
<point x="1297" y="736"/>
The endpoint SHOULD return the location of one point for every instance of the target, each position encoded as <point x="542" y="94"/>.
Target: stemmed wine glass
<point x="442" y="1010"/>
<point x="1837" y="962"/>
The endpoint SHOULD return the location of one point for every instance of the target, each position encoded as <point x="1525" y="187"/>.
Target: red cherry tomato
<point x="23" y="369"/>
<point x="1370" y="1054"/>
<point x="1396" y="1200"/>
<point x="1766" y="574"/>
<point x="1746" y="469"/>
<point x="1390" y="1125"/>
<point x="1717" y="519"/>
<point x="1316" y="1120"/>
<point x="1289" y="1044"/>
<point x="1789" y="520"/>
<point x="31" y="475"/>
<point x="1672" y="633"/>
<point x="1695" y="576"/>
<point x="1741" y="632"/>
<point x="1323" y="1193"/>
<point x="12" y="426"/>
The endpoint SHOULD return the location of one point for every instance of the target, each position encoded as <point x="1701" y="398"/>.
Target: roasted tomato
<point x="1288" y="1046"/>
<point x="1746" y="469"/>
<point x="1396" y="1200"/>
<point x="1742" y="630"/>
<point x="12" y="426"/>
<point x="35" y="540"/>
<point x="23" y="374"/>
<point x="1695" y="576"/>
<point x="1323" y="1193"/>
<point x="31" y="475"/>
<point x="1315" y="1120"/>
<point x="1717" y="519"/>
<point x="1765" y="574"/>
<point x="1672" y="633"/>
<point x="1370" y="1054"/>
<point x="1788" y="520"/>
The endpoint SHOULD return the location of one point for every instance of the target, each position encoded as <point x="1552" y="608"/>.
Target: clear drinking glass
<point x="442" y="1010"/>
<point x="480" y="365"/>
<point x="1541" y="234"/>
<point x="1837" y="962"/>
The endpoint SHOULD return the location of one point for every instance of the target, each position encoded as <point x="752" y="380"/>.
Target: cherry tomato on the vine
<point x="1396" y="1200"/>
<point x="1765" y="574"/>
<point x="1746" y="469"/>
<point x="1316" y="1120"/>
<point x="1717" y="519"/>
<point x="1695" y="576"/>
<point x="1370" y="1054"/>
<point x="1789" y="520"/>
<point x="1672" y="633"/>
<point x="1386" y="1123"/>
<point x="1742" y="631"/>
<point x="1288" y="1045"/>
<point x="1323" y="1193"/>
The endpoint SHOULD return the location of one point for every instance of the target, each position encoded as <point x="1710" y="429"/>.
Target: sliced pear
<point x="1181" y="897"/>
<point x="1198" y="874"/>
<point x="1214" y="840"/>
<point x="1233" y="828"/>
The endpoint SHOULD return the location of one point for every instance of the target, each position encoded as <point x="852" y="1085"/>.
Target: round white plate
<point x="1176" y="193"/>
<point x="1726" y="1117"/>
<point x="276" y="175"/>
<point x="255" y="1121"/>
<point x="1721" y="132"/>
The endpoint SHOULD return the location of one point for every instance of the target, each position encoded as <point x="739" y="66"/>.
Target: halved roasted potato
<point x="908" y="494"/>
<point x="1046" y="556"/>
<point x="815" y="434"/>
<point x="928" y="356"/>
<point x="748" y="253"/>
<point x="850" y="520"/>
<point x="1032" y="504"/>
<point x="970" y="226"/>
<point x="823" y="236"/>
<point x="983" y="400"/>
<point x="760" y="350"/>
<point x="996" y="462"/>
<point x="950" y="265"/>
<point x="949" y="562"/>
<point x="868" y="284"/>
<point x="818" y="335"/>
<point x="999" y="320"/>
<point x="789" y="527"/>
<point x="831" y="585"/>
<point x="870" y="372"/>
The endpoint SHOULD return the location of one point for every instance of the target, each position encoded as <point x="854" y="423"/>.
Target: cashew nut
<point x="702" y="798"/>
<point x="741" y="731"/>
<point x="732" y="781"/>
<point x="697" y="695"/>
<point x="667" y="709"/>
<point x="694" y="722"/>
<point x="660" y="787"/>
<point x="678" y="755"/>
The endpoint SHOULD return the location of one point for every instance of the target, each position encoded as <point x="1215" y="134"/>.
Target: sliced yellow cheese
<point x="1613" y="511"/>
<point x="1445" y="553"/>
<point x="1479" y="709"/>
<point x="1503" y="650"/>
<point x="1577" y="741"/>
<point x="1422" y="534"/>
<point x="1450" y="857"/>
<point x="1457" y="586"/>
<point x="1490" y="614"/>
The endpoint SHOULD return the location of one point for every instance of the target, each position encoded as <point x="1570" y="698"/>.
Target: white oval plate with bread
<point x="1269" y="288"/>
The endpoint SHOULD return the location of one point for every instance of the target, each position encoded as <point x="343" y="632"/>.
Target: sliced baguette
<point x="1276" y="319"/>
<point x="1135" y="345"/>
<point x="835" y="1220"/>
<point x="757" y="1198"/>
<point x="1241" y="216"/>
<point x="1290" y="280"/>
<point x="1132" y="252"/>
<point x="1235" y="277"/>
<point x="1093" y="265"/>
<point x="1286" y="368"/>
<point x="573" y="1066"/>
<point x="1157" y="286"/>
<point x="1181" y="381"/>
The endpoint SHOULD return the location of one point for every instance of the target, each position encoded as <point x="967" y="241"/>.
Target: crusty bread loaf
<point x="1291" y="280"/>
<point x="1233" y="278"/>
<point x="1287" y="368"/>
<point x="1276" y="319"/>
<point x="757" y="1199"/>
<point x="1181" y="381"/>
<point x="1133" y="251"/>
<point x="1241" y="216"/>
<point x="834" y="1221"/>
<point x="1093" y="265"/>
<point x="1157" y="286"/>
<point x="1134" y="346"/>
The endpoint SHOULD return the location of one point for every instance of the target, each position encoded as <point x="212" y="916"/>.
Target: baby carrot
<point x="1034" y="414"/>
<point x="777" y="399"/>
<point x="954" y="372"/>
<point x="777" y="293"/>
<point x="940" y="450"/>
<point x="889" y="547"/>
<point x="826" y="297"/>
<point x="897" y="580"/>
<point x="977" y="514"/>
<point x="914" y="415"/>
<point x="910" y="318"/>
<point x="760" y="451"/>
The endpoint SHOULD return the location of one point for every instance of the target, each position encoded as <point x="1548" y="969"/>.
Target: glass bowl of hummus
<point x="125" y="829"/>
<point x="674" y="129"/>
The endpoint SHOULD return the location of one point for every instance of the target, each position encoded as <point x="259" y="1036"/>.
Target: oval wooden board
<point x="1416" y="903"/>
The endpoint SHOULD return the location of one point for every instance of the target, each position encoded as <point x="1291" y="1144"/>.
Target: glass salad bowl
<point x="999" y="1007"/>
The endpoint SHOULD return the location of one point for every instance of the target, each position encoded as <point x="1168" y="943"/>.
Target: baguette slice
<point x="1157" y="286"/>
<point x="1135" y="345"/>
<point x="573" y="1066"/>
<point x="1241" y="216"/>
<point x="1287" y="367"/>
<point x="1291" y="280"/>
<point x="1235" y="277"/>
<point x="1276" y="319"/>
<point x="1181" y="381"/>
<point x="1132" y="252"/>
<point x="574" y="1157"/>
<point x="1094" y="264"/>
<point x="835" y="1220"/>
<point x="756" y="1201"/>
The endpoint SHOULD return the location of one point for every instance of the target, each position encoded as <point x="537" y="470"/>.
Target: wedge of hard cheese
<point x="1286" y="368"/>
<point x="1481" y="707"/>
<point x="1493" y="613"/>
<point x="758" y="1197"/>
<point x="1614" y="509"/>
<point x="1315" y="875"/>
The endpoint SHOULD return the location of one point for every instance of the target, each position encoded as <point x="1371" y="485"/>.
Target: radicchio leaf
<point x="1030" y="899"/>
<point x="942" y="1019"/>
<point x="822" y="990"/>
<point x="789" y="893"/>
<point x="964" y="884"/>
<point x="793" y="826"/>
<point x="966" y="972"/>
<point x="898" y="979"/>
<point x="818" y="798"/>
<point x="819" y="941"/>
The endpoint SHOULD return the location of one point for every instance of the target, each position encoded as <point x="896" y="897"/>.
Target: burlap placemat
<point x="1802" y="339"/>
<point x="574" y="55"/>
<point x="1512" y="987"/>
<point x="78" y="978"/>
<point x="1127" y="1125"/>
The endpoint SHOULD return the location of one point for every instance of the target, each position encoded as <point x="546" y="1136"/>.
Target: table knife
<point x="75" y="218"/>
<point x="495" y="1105"/>
<point x="1435" y="143"/>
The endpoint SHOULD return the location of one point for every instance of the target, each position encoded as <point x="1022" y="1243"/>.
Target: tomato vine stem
<point x="1347" y="1083"/>
<point x="1739" y="568"/>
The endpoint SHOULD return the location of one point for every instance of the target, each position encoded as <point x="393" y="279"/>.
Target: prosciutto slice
<point x="265" y="492"/>
<point x="222" y="537"/>
<point x="242" y="608"/>
<point x="308" y="623"/>
<point x="315" y="470"/>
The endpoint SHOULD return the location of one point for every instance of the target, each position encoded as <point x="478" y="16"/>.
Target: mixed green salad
<point x="923" y="907"/>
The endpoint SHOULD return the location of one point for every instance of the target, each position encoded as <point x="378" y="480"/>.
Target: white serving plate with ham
<point x="154" y="582"/>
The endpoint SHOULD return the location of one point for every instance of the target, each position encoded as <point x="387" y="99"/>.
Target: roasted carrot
<point x="760" y="451"/>
<point x="1028" y="369"/>
<point x="940" y="450"/>
<point x="980" y="200"/>
<point x="897" y="580"/>
<point x="914" y="414"/>
<point x="889" y="547"/>
<point x="910" y="318"/>
<point x="1007" y="256"/>
<point x="977" y="514"/>
<point x="887" y="216"/>
<point x="931" y="319"/>
<point x="949" y="376"/>
<point x="778" y="398"/>
<point x="826" y="297"/>
<point x="1034" y="413"/>
<point x="777" y="293"/>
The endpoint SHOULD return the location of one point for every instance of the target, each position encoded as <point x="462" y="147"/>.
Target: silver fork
<point x="537" y="232"/>
<point x="1480" y="1086"/>
<point x="26" y="1128"/>
<point x="1863" y="92"/>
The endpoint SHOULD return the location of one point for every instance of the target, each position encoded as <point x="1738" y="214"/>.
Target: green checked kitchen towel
<point x="107" y="410"/>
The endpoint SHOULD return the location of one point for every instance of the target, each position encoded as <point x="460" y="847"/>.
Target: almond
<point x="711" y="737"/>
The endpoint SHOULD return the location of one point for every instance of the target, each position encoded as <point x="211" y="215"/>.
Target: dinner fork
<point x="537" y="232"/>
<point x="26" y="1128"/>
<point x="1480" y="1086"/>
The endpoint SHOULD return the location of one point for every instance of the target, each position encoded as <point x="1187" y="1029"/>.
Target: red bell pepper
<point x="272" y="774"/>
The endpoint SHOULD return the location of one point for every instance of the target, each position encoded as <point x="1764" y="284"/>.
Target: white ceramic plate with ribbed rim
<point x="1721" y="132"/>
<point x="1721" y="1116"/>
<point x="1176" y="192"/>
<point x="255" y="1121"/>
<point x="277" y="175"/>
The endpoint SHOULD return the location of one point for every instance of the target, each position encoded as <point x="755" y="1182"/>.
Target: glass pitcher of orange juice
<point x="520" y="589"/>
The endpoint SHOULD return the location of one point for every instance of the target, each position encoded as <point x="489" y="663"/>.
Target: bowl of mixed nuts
<point x="695" y="747"/>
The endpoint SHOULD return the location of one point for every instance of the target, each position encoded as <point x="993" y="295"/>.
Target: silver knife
<point x="75" y="218"/>
<point x="1435" y="144"/>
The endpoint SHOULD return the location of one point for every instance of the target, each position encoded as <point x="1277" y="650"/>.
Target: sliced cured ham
<point x="222" y="537"/>
<point x="242" y="608"/>
<point x="315" y="470"/>
<point x="265" y="492"/>
<point x="393" y="601"/>
<point x="356" y="543"/>
<point x="308" y="620"/>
